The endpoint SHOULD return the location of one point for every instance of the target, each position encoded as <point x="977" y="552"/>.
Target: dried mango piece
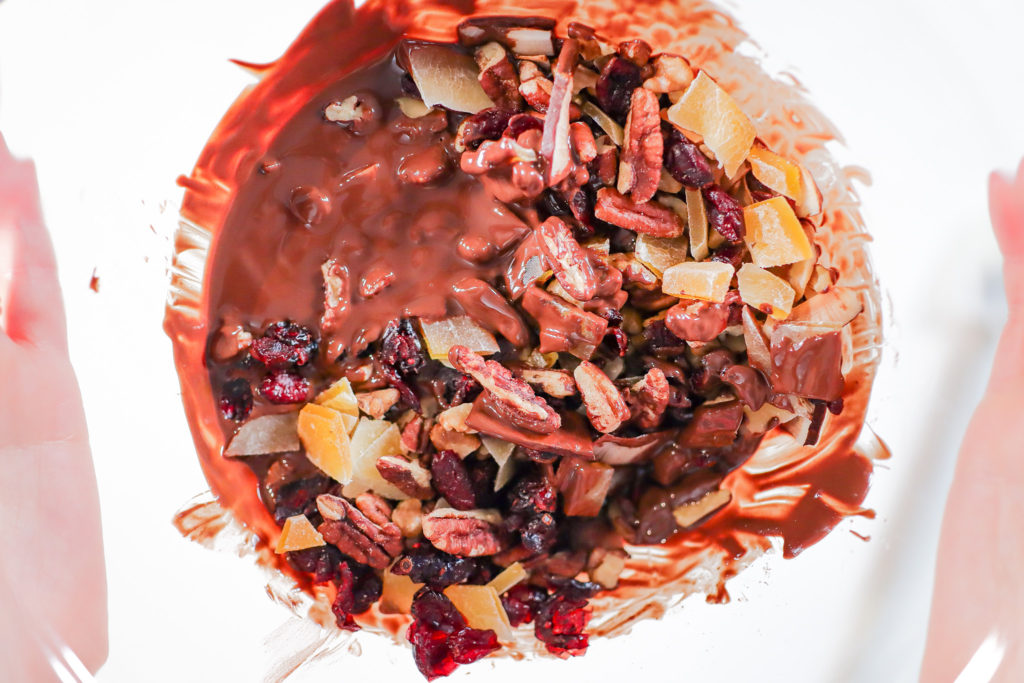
<point x="776" y="172"/>
<point x="765" y="291"/>
<point x="482" y="608"/>
<point x="441" y="335"/>
<point x="774" y="234"/>
<point x="396" y="595"/>
<point x="340" y="397"/>
<point x="707" y="280"/>
<point x="324" y="435"/>
<point x="371" y="440"/>
<point x="708" y="110"/>
<point x="660" y="253"/>
<point x="512" y="575"/>
<point x="298" y="534"/>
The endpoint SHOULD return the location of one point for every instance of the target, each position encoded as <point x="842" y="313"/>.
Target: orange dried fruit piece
<point x="705" y="280"/>
<point x="447" y="78"/>
<point x="340" y="397"/>
<point x="776" y="172"/>
<point x="708" y="110"/>
<point x="324" y="435"/>
<point x="765" y="291"/>
<point x="774" y="234"/>
<point x="660" y="253"/>
<point x="513" y="574"/>
<point x="482" y="608"/>
<point x="441" y="335"/>
<point x="397" y="593"/>
<point x="298" y="534"/>
<point x="372" y="440"/>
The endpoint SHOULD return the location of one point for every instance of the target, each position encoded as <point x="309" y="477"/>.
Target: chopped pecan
<point x="409" y="477"/>
<point x="337" y="297"/>
<point x="567" y="259"/>
<point x="232" y="338"/>
<point x="377" y="403"/>
<point x="359" y="112"/>
<point x="411" y="441"/>
<point x="592" y="46"/>
<point x="555" y="145"/>
<point x="513" y="397"/>
<point x="537" y="91"/>
<point x="454" y="419"/>
<point x="425" y="166"/>
<point x="633" y="272"/>
<point x="640" y="167"/>
<point x="408" y="517"/>
<point x="649" y="218"/>
<point x="464" y="533"/>
<point x="377" y="278"/>
<point x="605" y="406"/>
<point x="607" y="160"/>
<point x="563" y="326"/>
<point x="649" y="399"/>
<point x="581" y="140"/>
<point x="672" y="73"/>
<point x="487" y="307"/>
<point x="445" y="439"/>
<point x="605" y="566"/>
<point x="363" y="531"/>
<point x="507" y="169"/>
<point x="555" y="383"/>
<point x="522" y="35"/>
<point x="688" y="514"/>
<point x="498" y="76"/>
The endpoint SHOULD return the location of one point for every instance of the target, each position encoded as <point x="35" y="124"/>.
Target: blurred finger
<point x="31" y="309"/>
<point x="1006" y="203"/>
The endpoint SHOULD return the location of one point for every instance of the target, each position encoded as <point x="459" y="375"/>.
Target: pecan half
<point x="640" y="167"/>
<point x="465" y="533"/>
<point x="363" y="531"/>
<point x="409" y="477"/>
<point x="649" y="399"/>
<point x="567" y="259"/>
<point x="555" y="383"/>
<point x="498" y="76"/>
<point x="513" y="397"/>
<point x="377" y="403"/>
<point x="377" y="278"/>
<point x="563" y="326"/>
<point x="672" y="73"/>
<point x="445" y="439"/>
<point x="554" y="147"/>
<point x="408" y="517"/>
<point x="605" y="406"/>
<point x="649" y="218"/>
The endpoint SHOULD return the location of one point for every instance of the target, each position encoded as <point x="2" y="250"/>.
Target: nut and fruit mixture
<point x="561" y="290"/>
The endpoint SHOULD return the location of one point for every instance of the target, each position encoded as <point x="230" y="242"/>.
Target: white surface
<point x="114" y="99"/>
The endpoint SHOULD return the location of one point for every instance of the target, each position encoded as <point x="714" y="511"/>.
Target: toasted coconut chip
<point x="412" y="107"/>
<point x="697" y="224"/>
<point x="447" y="78"/>
<point x="607" y="123"/>
<point x="266" y="434"/>
<point x="833" y="308"/>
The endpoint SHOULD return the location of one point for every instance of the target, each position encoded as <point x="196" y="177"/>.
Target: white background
<point x="115" y="98"/>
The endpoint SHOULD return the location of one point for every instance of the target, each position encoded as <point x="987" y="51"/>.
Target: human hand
<point x="52" y="578"/>
<point x="977" y="622"/>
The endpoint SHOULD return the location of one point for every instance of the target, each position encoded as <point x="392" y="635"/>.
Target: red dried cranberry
<point x="424" y="563"/>
<point x="684" y="161"/>
<point x="485" y="125"/>
<point x="284" y="343"/>
<point x="322" y="562"/>
<point x="401" y="356"/>
<point x="284" y="386"/>
<point x="522" y="602"/>
<point x="619" y="78"/>
<point x="520" y="123"/>
<point x="434" y="610"/>
<point x="620" y="338"/>
<point x="344" y="600"/>
<point x="581" y="203"/>
<point x="661" y="340"/>
<point x="724" y="213"/>
<point x="236" y="399"/>
<point x="730" y="253"/>
<point x="835" y="407"/>
<point x="430" y="651"/>
<point x="540" y="533"/>
<point x="299" y="498"/>
<point x="451" y="480"/>
<point x="482" y="474"/>
<point x="758" y="191"/>
<point x="560" y="625"/>
<point x="470" y="644"/>
<point x="533" y="495"/>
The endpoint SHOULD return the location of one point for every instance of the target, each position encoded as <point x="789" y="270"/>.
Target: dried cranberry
<point x="344" y="600"/>
<point x="451" y="480"/>
<point x="284" y="386"/>
<point x="236" y="399"/>
<point x="540" y="533"/>
<point x="581" y="203"/>
<point x="522" y="603"/>
<point x="685" y="162"/>
<point x="835" y="407"/>
<point x="533" y="495"/>
<point x="619" y="78"/>
<point x="758" y="191"/>
<point x="401" y="348"/>
<point x="520" y="123"/>
<point x="660" y="339"/>
<point x="485" y="125"/>
<point x="409" y="87"/>
<point x="430" y="651"/>
<point x="620" y="338"/>
<point x="299" y="497"/>
<point x="452" y="388"/>
<point x="434" y="610"/>
<point x="724" y="213"/>
<point x="426" y="564"/>
<point x="322" y="562"/>
<point x="482" y="474"/>
<point x="284" y="343"/>
<point x="470" y="644"/>
<point x="732" y="254"/>
<point x="560" y="625"/>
